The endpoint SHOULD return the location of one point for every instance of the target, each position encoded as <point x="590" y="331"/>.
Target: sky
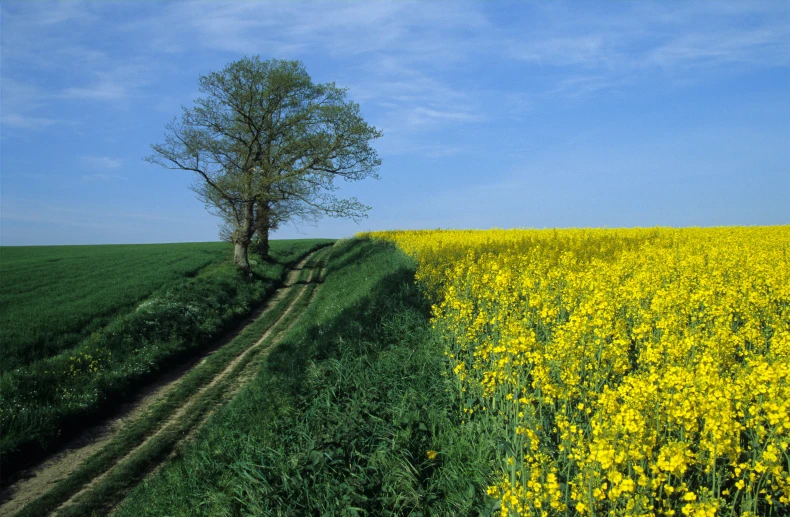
<point x="494" y="114"/>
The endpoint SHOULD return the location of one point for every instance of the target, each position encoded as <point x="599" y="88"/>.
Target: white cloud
<point x="54" y="13"/>
<point x="587" y="50"/>
<point x="22" y="107"/>
<point x="592" y="49"/>
<point x="402" y="54"/>
<point x="27" y="122"/>
<point x="757" y="46"/>
<point x="102" y="177"/>
<point x="421" y="116"/>
<point x="391" y="54"/>
<point x="102" y="162"/>
<point x="403" y="146"/>
<point x="32" y="175"/>
<point x="104" y="90"/>
<point x="25" y="210"/>
<point x="581" y="86"/>
<point x="35" y="34"/>
<point x="418" y="29"/>
<point x="410" y="59"/>
<point x="53" y="55"/>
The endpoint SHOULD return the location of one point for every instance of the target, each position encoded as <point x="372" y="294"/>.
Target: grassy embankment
<point x="154" y="304"/>
<point x="353" y="413"/>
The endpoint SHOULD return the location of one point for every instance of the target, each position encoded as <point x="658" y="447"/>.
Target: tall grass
<point x="352" y="414"/>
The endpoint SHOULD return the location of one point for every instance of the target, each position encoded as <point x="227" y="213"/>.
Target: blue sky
<point x="495" y="114"/>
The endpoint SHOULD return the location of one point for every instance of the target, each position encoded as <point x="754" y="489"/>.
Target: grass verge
<point x="352" y="414"/>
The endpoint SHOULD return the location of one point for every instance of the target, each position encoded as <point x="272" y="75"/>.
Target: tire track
<point x="39" y="480"/>
<point x="191" y="413"/>
<point x="249" y="370"/>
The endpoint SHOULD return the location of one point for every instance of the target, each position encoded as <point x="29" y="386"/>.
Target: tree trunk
<point x="263" y="243"/>
<point x="240" y="256"/>
<point x="262" y="227"/>
<point x="242" y="237"/>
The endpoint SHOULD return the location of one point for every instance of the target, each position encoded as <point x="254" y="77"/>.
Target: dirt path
<point x="195" y="399"/>
<point x="37" y="480"/>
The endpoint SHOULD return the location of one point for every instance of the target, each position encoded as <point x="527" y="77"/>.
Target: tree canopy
<point x="267" y="145"/>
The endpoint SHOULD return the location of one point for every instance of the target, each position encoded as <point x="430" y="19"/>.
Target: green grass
<point x="52" y="297"/>
<point x="112" y="488"/>
<point x="341" y="416"/>
<point x="60" y="393"/>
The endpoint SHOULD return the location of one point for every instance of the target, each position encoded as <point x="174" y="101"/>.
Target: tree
<point x="266" y="145"/>
<point x="269" y="216"/>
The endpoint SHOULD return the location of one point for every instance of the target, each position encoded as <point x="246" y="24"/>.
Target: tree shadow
<point x="360" y="322"/>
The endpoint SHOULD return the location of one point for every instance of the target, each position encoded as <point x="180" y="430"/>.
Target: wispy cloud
<point x="102" y="162"/>
<point x="391" y="54"/>
<point x="32" y="175"/>
<point x="401" y="146"/>
<point x="21" y="210"/>
<point x="54" y="57"/>
<point x="585" y="50"/>
<point x="582" y="86"/>
<point x="404" y="56"/>
<point x="755" y="46"/>
<point x="441" y="79"/>
<point x="21" y="107"/>
<point x="34" y="210"/>
<point x="55" y="13"/>
<point x="16" y="120"/>
<point x="102" y="177"/>
<point x="422" y="115"/>
<point x="106" y="89"/>
<point x="596" y="48"/>
<point x="340" y="29"/>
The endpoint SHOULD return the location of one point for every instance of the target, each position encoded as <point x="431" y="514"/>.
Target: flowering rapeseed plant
<point x="634" y="372"/>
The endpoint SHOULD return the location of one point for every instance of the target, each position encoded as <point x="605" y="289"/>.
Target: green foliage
<point x="39" y="399"/>
<point x="54" y="296"/>
<point x="267" y="145"/>
<point x="342" y="416"/>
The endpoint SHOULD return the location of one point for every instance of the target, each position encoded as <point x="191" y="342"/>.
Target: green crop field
<point x="83" y="325"/>
<point x="54" y="296"/>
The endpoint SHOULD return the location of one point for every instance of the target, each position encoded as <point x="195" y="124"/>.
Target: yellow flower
<point x="677" y="341"/>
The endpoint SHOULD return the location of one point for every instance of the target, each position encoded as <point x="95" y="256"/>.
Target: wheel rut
<point x="183" y="423"/>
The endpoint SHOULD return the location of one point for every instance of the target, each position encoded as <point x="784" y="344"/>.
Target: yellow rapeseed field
<point x="633" y="371"/>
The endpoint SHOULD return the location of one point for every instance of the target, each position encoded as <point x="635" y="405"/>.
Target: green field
<point x="54" y="296"/>
<point x="84" y="325"/>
